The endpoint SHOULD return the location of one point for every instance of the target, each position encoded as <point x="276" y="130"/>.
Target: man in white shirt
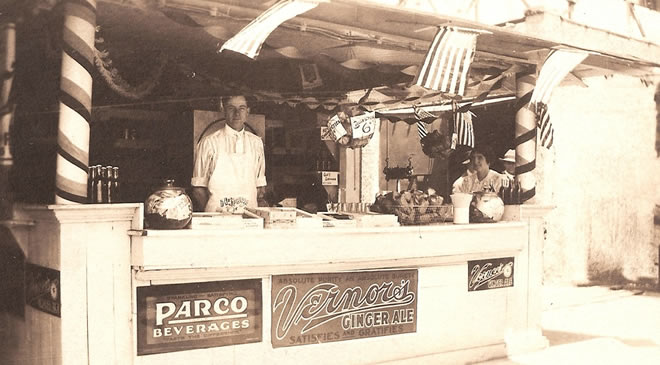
<point x="230" y="171"/>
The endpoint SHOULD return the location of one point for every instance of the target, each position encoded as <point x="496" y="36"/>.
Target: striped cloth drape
<point x="463" y="127"/>
<point x="422" y="117"/>
<point x="555" y="68"/>
<point x="448" y="60"/>
<point x="251" y="38"/>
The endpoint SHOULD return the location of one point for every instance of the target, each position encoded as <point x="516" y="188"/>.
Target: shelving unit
<point x="147" y="146"/>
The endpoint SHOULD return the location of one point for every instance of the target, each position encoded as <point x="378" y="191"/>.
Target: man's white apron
<point x="233" y="183"/>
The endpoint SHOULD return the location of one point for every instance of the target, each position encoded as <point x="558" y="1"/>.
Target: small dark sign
<point x="329" y="307"/>
<point x="490" y="273"/>
<point x="42" y="289"/>
<point x="189" y="316"/>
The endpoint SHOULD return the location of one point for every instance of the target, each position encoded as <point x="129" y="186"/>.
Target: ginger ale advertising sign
<point x="318" y="308"/>
<point x="490" y="273"/>
<point x="189" y="316"/>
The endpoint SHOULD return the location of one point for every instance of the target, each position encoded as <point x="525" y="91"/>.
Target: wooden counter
<point x="99" y="321"/>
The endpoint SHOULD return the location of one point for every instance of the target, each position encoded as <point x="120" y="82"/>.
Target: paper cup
<point x="461" y="202"/>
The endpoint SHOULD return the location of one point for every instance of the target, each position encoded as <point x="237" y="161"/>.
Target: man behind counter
<point x="230" y="170"/>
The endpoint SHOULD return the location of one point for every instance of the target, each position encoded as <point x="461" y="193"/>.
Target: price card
<point x="336" y="128"/>
<point x="326" y="134"/>
<point x="364" y="125"/>
<point x="329" y="178"/>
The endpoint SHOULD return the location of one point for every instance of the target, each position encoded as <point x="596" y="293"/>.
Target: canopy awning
<point x="355" y="45"/>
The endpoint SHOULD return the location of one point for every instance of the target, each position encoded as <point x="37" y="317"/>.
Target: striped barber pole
<point x="75" y="101"/>
<point x="448" y="60"/>
<point x="250" y="39"/>
<point x="525" y="138"/>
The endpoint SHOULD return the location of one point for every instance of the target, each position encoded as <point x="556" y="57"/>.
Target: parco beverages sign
<point x="198" y="315"/>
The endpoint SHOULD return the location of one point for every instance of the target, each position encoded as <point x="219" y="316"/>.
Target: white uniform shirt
<point x="472" y="184"/>
<point x="227" y="140"/>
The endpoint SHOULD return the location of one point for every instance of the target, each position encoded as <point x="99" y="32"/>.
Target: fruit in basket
<point x="411" y="206"/>
<point x="435" y="200"/>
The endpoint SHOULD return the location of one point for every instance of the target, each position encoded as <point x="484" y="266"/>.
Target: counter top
<point x="327" y="230"/>
<point x="250" y="253"/>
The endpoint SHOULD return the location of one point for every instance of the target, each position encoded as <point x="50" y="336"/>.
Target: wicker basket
<point x="417" y="215"/>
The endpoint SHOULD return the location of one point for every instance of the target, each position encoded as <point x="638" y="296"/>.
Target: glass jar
<point x="169" y="207"/>
<point x="489" y="206"/>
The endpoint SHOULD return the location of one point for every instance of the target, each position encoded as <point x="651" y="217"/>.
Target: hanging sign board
<point x="190" y="316"/>
<point x="326" y="134"/>
<point x="42" y="289"/>
<point x="329" y="178"/>
<point x="336" y="128"/>
<point x="330" y="307"/>
<point x="490" y="273"/>
<point x="364" y="125"/>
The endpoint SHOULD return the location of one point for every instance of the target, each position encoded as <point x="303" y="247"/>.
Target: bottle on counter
<point x="108" y="185"/>
<point x="91" y="185"/>
<point x="98" y="185"/>
<point x="104" y="185"/>
<point x="116" y="186"/>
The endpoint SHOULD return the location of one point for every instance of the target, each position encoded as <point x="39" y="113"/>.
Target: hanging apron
<point x="233" y="184"/>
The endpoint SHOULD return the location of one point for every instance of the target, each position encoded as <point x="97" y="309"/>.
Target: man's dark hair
<point x="486" y="151"/>
<point x="225" y="99"/>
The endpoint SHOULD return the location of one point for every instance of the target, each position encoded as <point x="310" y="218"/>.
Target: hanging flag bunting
<point x="250" y="39"/>
<point x="422" y="117"/>
<point x="546" y="131"/>
<point x="448" y="60"/>
<point x="463" y="129"/>
<point x="555" y="68"/>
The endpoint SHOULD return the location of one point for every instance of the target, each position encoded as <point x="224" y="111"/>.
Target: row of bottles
<point x="103" y="184"/>
<point x="511" y="192"/>
<point x="325" y="161"/>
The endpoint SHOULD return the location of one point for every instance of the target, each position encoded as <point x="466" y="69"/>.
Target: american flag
<point x="250" y="39"/>
<point x="448" y="60"/>
<point x="422" y="117"/>
<point x="555" y="68"/>
<point x="546" y="131"/>
<point x="464" y="129"/>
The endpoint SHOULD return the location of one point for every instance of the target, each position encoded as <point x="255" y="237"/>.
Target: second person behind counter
<point x="509" y="163"/>
<point x="484" y="179"/>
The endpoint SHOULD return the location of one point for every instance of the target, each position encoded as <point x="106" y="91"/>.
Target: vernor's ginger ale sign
<point x="490" y="273"/>
<point x="317" y="308"/>
<point x="198" y="315"/>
